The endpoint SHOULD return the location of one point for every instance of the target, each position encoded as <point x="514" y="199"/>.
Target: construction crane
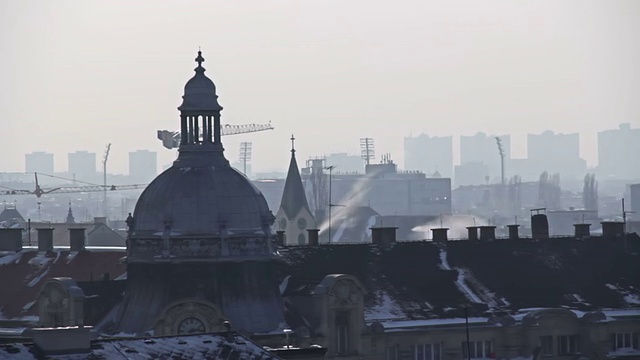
<point x="171" y="139"/>
<point x="39" y="191"/>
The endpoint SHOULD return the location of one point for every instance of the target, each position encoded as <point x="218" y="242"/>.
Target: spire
<point x="70" y="218"/>
<point x="199" y="60"/>
<point x="294" y="197"/>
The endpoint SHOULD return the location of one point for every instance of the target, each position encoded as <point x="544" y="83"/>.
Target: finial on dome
<point x="199" y="59"/>
<point x="293" y="145"/>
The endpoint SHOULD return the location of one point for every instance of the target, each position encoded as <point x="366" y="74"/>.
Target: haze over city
<point x="79" y="75"/>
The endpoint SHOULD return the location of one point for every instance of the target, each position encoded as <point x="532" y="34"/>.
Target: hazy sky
<point x="76" y="75"/>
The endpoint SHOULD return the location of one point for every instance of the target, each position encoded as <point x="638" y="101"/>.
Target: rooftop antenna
<point x="367" y="150"/>
<point x="624" y="224"/>
<point x="104" y="178"/>
<point x="501" y="152"/>
<point x="245" y="155"/>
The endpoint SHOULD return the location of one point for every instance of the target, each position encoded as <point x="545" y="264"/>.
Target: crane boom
<point x="171" y="139"/>
<point x="71" y="189"/>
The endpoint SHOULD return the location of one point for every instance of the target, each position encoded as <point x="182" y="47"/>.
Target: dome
<point x="200" y="91"/>
<point x="201" y="201"/>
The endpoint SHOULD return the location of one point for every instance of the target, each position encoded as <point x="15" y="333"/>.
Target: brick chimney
<point x="612" y="228"/>
<point x="439" y="234"/>
<point x="472" y="232"/>
<point x="582" y="230"/>
<point x="11" y="239"/>
<point x="76" y="239"/>
<point x="280" y="238"/>
<point x="45" y="239"/>
<point x="487" y="233"/>
<point x="513" y="231"/>
<point x="383" y="236"/>
<point x="313" y="237"/>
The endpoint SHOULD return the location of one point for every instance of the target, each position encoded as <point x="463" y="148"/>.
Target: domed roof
<point x="201" y="201"/>
<point x="200" y="91"/>
<point x="201" y="194"/>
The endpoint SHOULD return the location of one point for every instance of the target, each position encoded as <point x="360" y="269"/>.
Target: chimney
<point x="76" y="239"/>
<point x="313" y="237"/>
<point x="280" y="238"/>
<point x="513" y="231"/>
<point x="439" y="234"/>
<point x="472" y="232"/>
<point x="100" y="220"/>
<point x="383" y="236"/>
<point x="45" y="239"/>
<point x="11" y="239"/>
<point x="62" y="340"/>
<point x="539" y="224"/>
<point x="582" y="230"/>
<point x="612" y="228"/>
<point x="487" y="233"/>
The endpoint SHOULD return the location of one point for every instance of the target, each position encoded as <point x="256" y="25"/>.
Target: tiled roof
<point x="203" y="346"/>
<point x="23" y="273"/>
<point x="422" y="280"/>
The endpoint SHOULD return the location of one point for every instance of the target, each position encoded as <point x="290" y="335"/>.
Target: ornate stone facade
<point x="61" y="303"/>
<point x="189" y="316"/>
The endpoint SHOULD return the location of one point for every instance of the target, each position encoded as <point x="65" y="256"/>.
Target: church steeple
<point x="70" y="218"/>
<point x="294" y="216"/>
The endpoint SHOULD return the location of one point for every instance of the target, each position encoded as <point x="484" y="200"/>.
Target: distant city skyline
<point x="480" y="148"/>
<point x="378" y="70"/>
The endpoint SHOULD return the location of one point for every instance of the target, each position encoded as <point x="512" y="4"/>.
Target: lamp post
<point x="330" y="168"/>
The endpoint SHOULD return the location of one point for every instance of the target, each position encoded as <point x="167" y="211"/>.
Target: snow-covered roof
<point x="204" y="346"/>
<point x="423" y="280"/>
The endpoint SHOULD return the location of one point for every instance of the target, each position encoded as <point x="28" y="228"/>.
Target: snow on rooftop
<point x="37" y="279"/>
<point x="386" y="309"/>
<point x="10" y="259"/>
<point x="432" y="322"/>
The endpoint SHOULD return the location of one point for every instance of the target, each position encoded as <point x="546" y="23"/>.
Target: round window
<point x="191" y="325"/>
<point x="302" y="224"/>
<point x="283" y="224"/>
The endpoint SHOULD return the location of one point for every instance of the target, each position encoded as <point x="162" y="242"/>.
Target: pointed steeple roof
<point x="294" y="197"/>
<point x="70" y="218"/>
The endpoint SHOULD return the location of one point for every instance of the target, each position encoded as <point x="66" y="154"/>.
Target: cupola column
<point x="216" y="129"/>
<point x="184" y="138"/>
<point x="209" y="128"/>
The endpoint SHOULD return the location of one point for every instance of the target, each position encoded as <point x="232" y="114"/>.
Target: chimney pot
<point x="11" y="239"/>
<point x="487" y="233"/>
<point x="439" y="234"/>
<point x="513" y="231"/>
<point x="472" y="232"/>
<point x="45" y="239"/>
<point x="582" y="230"/>
<point x="76" y="239"/>
<point x="383" y="236"/>
<point x="313" y="237"/>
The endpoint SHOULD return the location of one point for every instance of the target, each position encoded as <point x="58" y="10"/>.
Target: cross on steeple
<point x="293" y="145"/>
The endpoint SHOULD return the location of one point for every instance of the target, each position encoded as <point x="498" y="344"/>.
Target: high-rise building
<point x="82" y="165"/>
<point x="556" y="153"/>
<point x="429" y="154"/>
<point x="618" y="151"/>
<point x="345" y="163"/>
<point x="143" y="166"/>
<point x="483" y="149"/>
<point x="39" y="161"/>
<point x="634" y="194"/>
